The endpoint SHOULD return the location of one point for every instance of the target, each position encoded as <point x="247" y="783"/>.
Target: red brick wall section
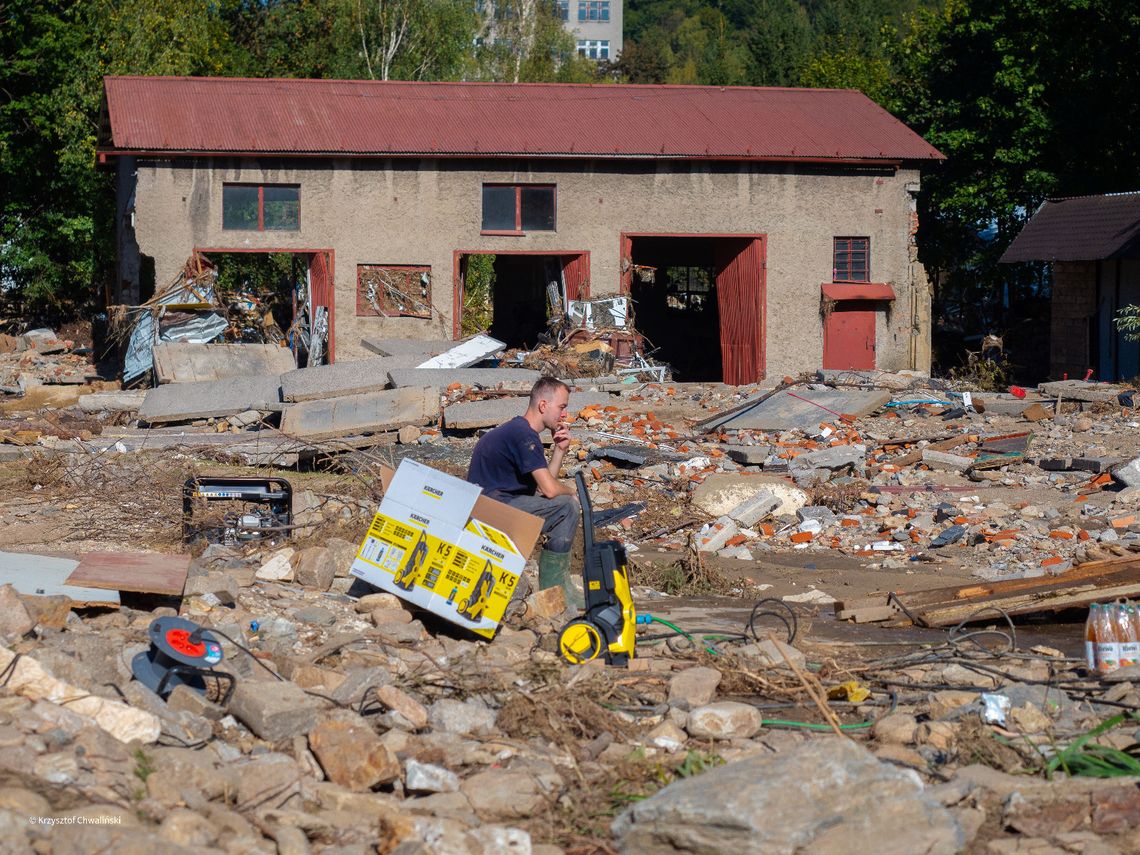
<point x="1073" y="303"/>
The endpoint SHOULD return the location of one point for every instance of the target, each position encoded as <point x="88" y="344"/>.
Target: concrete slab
<point x="423" y="348"/>
<point x="783" y="412"/>
<point x="46" y="575"/>
<point x="722" y="493"/>
<point x="187" y="362"/>
<point x="466" y="353"/>
<point x="1077" y="390"/>
<point x="111" y="402"/>
<point x="343" y="378"/>
<point x="180" y="402"/>
<point x="360" y="414"/>
<point x="505" y="379"/>
<point x="468" y="415"/>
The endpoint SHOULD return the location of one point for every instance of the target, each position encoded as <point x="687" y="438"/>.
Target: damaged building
<point x="758" y="232"/>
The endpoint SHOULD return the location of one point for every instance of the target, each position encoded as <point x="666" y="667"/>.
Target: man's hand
<point x="561" y="437"/>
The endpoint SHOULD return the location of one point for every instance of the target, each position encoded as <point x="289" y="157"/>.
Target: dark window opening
<point x="851" y="260"/>
<point x="508" y="295"/>
<point x="518" y="208"/>
<point x="261" y="207"/>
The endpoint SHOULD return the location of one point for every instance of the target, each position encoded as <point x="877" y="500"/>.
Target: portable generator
<point x="609" y="624"/>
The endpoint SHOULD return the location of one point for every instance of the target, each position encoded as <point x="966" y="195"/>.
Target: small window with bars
<point x="851" y="260"/>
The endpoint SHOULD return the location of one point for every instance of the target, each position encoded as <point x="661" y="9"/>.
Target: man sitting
<point x="510" y="466"/>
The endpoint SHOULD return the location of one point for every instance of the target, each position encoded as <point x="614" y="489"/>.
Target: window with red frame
<point x="261" y="207"/>
<point x="518" y="208"/>
<point x="851" y="260"/>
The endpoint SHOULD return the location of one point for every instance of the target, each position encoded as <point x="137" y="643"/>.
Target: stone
<point x="668" y="736"/>
<point x="264" y="777"/>
<point x="408" y="434"/>
<point x="944" y="460"/>
<point x="279" y="567"/>
<point x="464" y="717"/>
<point x="352" y="756"/>
<point x="315" y="615"/>
<point x="429" y="778"/>
<point x="23" y="802"/>
<point x="777" y="653"/>
<point x="186" y="699"/>
<point x="720" y="493"/>
<point x="724" y="720"/>
<point x="184" y="827"/>
<point x="755" y="508"/>
<point x="291" y="841"/>
<point x="833" y="457"/>
<point x="937" y="734"/>
<point x="821" y="796"/>
<point x="15" y="622"/>
<point x="315" y="568"/>
<point x="273" y="710"/>
<point x="897" y="728"/>
<point x="503" y="793"/>
<point x="401" y="702"/>
<point x="548" y="603"/>
<point x="1128" y="474"/>
<point x="693" y="687"/>
<point x="721" y="531"/>
<point x="371" y="602"/>
<point x="49" y="612"/>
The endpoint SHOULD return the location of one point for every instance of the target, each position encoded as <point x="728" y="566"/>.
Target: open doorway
<point x="512" y="295"/>
<point x="281" y="298"/>
<point x="699" y="301"/>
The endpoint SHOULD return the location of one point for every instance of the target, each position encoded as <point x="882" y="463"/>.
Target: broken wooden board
<point x="782" y="411"/>
<point x="188" y="362"/>
<point x="1092" y="582"/>
<point x="354" y="415"/>
<point x="466" y="353"/>
<point x="1078" y="390"/>
<point x="46" y="576"/>
<point x="141" y="572"/>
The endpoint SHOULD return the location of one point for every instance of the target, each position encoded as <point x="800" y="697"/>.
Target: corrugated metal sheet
<point x="1080" y="228"/>
<point x="204" y="115"/>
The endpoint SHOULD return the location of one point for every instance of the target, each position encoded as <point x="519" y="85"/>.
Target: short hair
<point x="544" y="387"/>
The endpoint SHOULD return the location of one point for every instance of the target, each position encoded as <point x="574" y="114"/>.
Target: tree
<point x="414" y="39"/>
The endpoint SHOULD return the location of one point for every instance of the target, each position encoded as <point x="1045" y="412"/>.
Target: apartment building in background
<point x="596" y="26"/>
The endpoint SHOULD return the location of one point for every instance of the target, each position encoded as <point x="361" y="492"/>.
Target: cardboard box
<point x="420" y="549"/>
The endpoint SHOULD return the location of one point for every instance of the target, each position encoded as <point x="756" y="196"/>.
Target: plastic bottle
<point x="1090" y="637"/>
<point x="1130" y="641"/>
<point x="1107" y="640"/>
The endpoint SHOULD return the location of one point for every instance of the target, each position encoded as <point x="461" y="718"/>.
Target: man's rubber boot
<point x="554" y="570"/>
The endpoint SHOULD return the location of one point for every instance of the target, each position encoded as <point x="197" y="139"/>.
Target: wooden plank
<point x="46" y="575"/>
<point x="1032" y="602"/>
<point x="141" y="572"/>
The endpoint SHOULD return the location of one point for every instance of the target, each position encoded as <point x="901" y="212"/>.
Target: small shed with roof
<point x="758" y="232"/>
<point x="1093" y="245"/>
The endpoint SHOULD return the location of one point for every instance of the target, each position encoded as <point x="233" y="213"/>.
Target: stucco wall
<point x="421" y="212"/>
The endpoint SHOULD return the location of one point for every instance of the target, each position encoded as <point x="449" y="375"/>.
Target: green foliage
<point x="1127" y="320"/>
<point x="1086" y="758"/>
<point x="478" y="289"/>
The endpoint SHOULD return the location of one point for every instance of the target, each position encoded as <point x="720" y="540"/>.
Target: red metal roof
<point x="396" y="118"/>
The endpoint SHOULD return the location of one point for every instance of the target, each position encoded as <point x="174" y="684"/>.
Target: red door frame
<point x="456" y="283"/>
<point x="328" y="253"/>
<point x="625" y="250"/>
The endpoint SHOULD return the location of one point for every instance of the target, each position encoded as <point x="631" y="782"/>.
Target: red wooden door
<point x="321" y="282"/>
<point x="576" y="274"/>
<point x="849" y="337"/>
<point x="741" y="307"/>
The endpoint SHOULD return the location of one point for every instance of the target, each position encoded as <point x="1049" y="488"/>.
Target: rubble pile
<point x="40" y="357"/>
<point x="344" y="720"/>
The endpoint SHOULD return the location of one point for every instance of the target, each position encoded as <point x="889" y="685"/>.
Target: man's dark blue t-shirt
<point x="504" y="459"/>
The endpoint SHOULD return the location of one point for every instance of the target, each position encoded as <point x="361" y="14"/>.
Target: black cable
<point x="790" y="622"/>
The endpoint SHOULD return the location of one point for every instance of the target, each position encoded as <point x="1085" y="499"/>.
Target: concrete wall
<point x="421" y="212"/>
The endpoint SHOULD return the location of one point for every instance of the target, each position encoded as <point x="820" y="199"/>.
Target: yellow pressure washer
<point x="610" y="623"/>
